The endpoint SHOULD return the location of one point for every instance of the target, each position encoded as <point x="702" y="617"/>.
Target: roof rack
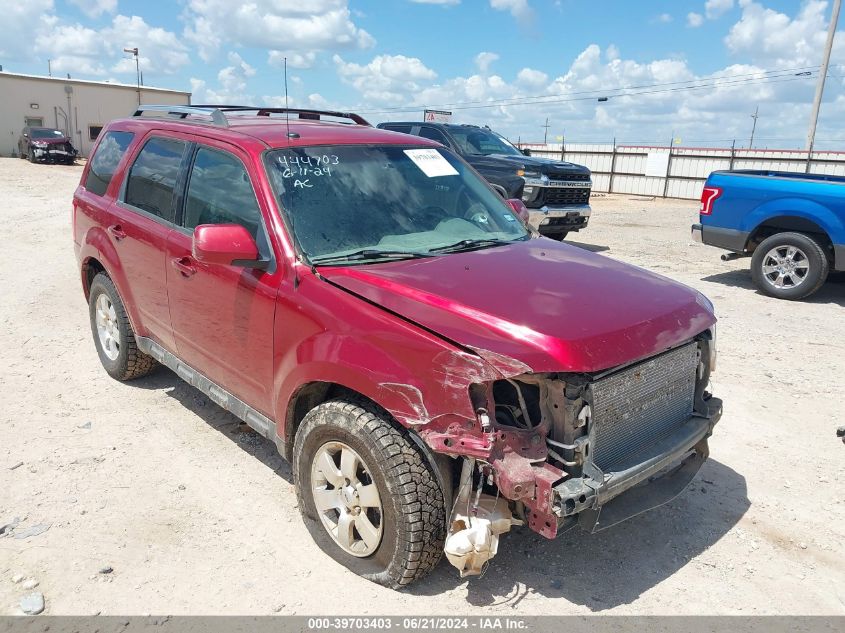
<point x="304" y="113"/>
<point x="217" y="116"/>
<point x="183" y="112"/>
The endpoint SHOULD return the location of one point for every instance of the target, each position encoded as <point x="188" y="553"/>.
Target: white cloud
<point x="518" y="8"/>
<point x="771" y="38"/>
<point x="387" y="78"/>
<point x="442" y="2"/>
<point x="304" y="27"/>
<point x="531" y="78"/>
<point x="484" y="59"/>
<point x="20" y="23"/>
<point x="714" y="9"/>
<point x="295" y="60"/>
<point x="663" y="18"/>
<point x="694" y="20"/>
<point x="95" y="8"/>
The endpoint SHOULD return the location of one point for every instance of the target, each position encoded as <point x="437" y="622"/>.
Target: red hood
<point x="551" y="306"/>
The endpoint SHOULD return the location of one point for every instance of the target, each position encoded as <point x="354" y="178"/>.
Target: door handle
<point x="116" y="232"/>
<point x="183" y="265"/>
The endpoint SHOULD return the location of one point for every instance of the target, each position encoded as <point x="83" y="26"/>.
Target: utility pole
<point x="817" y="102"/>
<point x="49" y="67"/>
<point x="546" y="131"/>
<point x="754" y="116"/>
<point x="134" y="51"/>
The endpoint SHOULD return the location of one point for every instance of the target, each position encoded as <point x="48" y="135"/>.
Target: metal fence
<point x="678" y="172"/>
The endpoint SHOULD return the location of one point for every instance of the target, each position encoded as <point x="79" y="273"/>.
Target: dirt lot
<point x="195" y="517"/>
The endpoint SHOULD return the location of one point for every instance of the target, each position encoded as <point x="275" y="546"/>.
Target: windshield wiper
<point x="467" y="245"/>
<point x="368" y="254"/>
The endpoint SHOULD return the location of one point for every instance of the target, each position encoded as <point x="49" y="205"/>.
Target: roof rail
<point x="182" y="112"/>
<point x="303" y="113"/>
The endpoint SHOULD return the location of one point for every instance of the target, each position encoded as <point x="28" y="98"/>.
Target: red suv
<point x="436" y="372"/>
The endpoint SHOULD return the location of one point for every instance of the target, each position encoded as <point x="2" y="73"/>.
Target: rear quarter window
<point x="106" y="158"/>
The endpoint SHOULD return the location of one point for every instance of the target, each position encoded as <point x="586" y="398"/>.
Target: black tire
<point x="30" y="154"/>
<point x="413" y="512"/>
<point x="130" y="362"/>
<point x="816" y="259"/>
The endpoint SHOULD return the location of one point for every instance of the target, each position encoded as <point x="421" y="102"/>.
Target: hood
<point x="529" y="163"/>
<point x="548" y="305"/>
<point x="53" y="140"/>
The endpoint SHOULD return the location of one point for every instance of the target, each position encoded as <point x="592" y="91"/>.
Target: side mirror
<point x="25" y="135"/>
<point x="227" y="245"/>
<point x="519" y="208"/>
<point x="526" y="152"/>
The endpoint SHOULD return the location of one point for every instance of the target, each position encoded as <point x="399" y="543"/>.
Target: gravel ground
<point x="195" y="516"/>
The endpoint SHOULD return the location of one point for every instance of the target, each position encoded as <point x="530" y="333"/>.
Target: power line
<point x="535" y="101"/>
<point x="553" y="98"/>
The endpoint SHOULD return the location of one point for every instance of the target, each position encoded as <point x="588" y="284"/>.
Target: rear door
<point x="141" y="221"/>
<point x="223" y="315"/>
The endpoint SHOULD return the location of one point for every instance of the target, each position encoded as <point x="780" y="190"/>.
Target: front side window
<point x="359" y="203"/>
<point x="105" y="161"/>
<point x="152" y="178"/>
<point x="220" y="192"/>
<point x="482" y="142"/>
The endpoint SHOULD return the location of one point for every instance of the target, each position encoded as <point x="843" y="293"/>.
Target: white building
<point x="72" y="105"/>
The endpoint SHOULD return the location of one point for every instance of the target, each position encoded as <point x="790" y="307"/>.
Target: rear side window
<point x="105" y="161"/>
<point x="153" y="176"/>
<point x="220" y="192"/>
<point x="434" y="134"/>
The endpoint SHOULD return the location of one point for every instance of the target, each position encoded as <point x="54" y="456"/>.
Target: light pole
<point x="134" y="51"/>
<point x="817" y="102"/>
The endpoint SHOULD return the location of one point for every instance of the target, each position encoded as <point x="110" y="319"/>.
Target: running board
<point x="234" y="405"/>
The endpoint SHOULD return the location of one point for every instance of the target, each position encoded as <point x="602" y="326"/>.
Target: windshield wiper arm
<point x="466" y="245"/>
<point x="368" y="254"/>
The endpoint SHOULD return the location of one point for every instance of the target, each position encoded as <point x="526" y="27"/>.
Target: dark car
<point x="46" y="144"/>
<point x="557" y="193"/>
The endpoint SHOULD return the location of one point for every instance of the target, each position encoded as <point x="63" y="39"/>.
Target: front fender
<point x="324" y="334"/>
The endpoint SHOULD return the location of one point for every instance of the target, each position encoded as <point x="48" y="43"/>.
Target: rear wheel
<point x="113" y="335"/>
<point x="368" y="496"/>
<point x="789" y="266"/>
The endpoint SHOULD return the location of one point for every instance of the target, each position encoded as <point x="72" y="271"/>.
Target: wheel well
<point x="313" y="394"/>
<point x="784" y="223"/>
<point x="90" y="269"/>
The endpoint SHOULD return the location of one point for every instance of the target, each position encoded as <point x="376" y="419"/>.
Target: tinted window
<point x="434" y="134"/>
<point x="105" y="161"/>
<point x="405" y="129"/>
<point x="220" y="192"/>
<point x="94" y="131"/>
<point x="152" y="177"/>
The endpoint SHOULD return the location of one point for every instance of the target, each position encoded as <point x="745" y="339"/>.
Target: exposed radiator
<point x="636" y="406"/>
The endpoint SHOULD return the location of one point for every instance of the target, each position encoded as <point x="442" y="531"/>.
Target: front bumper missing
<point x="556" y="219"/>
<point x="659" y="475"/>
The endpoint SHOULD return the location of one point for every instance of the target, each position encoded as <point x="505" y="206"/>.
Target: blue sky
<point x="380" y="57"/>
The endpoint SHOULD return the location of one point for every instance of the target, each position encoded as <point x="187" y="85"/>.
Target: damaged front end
<point x="558" y="449"/>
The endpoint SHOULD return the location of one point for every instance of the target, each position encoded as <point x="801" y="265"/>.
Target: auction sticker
<point x="431" y="162"/>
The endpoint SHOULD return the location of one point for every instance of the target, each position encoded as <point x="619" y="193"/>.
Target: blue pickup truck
<point x="791" y="225"/>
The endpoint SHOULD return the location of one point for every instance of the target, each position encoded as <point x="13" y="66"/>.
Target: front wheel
<point x="789" y="266"/>
<point x="367" y="495"/>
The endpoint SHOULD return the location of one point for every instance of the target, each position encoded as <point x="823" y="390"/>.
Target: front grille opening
<point x="638" y="406"/>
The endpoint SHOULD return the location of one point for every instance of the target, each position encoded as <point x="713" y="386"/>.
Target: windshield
<point x="354" y="202"/>
<point x="45" y="133"/>
<point x="481" y="142"/>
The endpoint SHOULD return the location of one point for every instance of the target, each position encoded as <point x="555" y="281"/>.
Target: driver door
<point x="222" y="315"/>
